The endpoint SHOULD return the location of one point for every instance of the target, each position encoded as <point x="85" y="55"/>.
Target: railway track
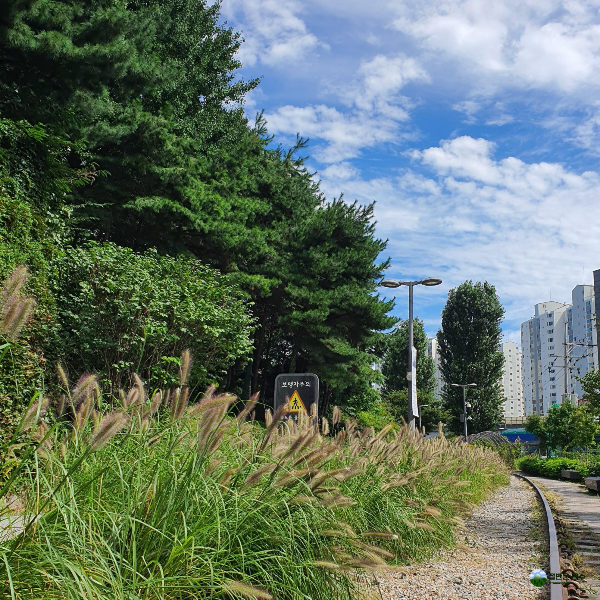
<point x="571" y="543"/>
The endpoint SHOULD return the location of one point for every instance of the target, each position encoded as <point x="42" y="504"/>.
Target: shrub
<point x="34" y="178"/>
<point x="119" y="311"/>
<point x="547" y="467"/>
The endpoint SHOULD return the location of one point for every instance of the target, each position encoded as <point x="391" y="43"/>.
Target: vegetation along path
<point x="502" y="545"/>
<point x="579" y="510"/>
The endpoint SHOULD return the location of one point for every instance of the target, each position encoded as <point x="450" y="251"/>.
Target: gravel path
<point x="502" y="553"/>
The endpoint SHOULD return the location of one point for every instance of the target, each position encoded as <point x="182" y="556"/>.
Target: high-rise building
<point x="542" y="339"/>
<point x="582" y="339"/>
<point x="512" y="383"/>
<point x="432" y="350"/>
<point x="559" y="345"/>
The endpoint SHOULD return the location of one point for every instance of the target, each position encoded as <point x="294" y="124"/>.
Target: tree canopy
<point x="564" y="427"/>
<point x="469" y="349"/>
<point x="124" y="125"/>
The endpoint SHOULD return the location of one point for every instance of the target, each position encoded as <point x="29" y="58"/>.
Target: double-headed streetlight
<point x="464" y="387"/>
<point x="412" y="385"/>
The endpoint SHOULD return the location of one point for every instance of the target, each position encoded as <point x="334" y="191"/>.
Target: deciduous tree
<point x="469" y="349"/>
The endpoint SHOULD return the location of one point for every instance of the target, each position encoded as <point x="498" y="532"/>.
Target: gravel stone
<point x="501" y="553"/>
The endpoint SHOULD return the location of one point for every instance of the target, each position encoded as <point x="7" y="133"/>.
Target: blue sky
<point x="474" y="125"/>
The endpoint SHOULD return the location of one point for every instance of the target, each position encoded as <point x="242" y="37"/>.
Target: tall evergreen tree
<point x="150" y="86"/>
<point x="469" y="349"/>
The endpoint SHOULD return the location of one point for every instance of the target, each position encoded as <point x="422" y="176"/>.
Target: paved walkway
<point x="577" y="501"/>
<point x="580" y="511"/>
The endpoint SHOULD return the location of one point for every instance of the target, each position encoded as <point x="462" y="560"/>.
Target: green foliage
<point x="469" y="349"/>
<point x="565" y="427"/>
<point x="377" y="416"/>
<point x="323" y="316"/>
<point x="34" y="177"/>
<point x="198" y="503"/>
<point x="590" y="384"/>
<point x="395" y="361"/>
<point x="153" y="88"/>
<point x="121" y="312"/>
<point x="149" y="85"/>
<point x="547" y="467"/>
<point x="536" y="424"/>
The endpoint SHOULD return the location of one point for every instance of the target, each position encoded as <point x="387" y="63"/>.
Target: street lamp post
<point x="420" y="407"/>
<point x="412" y="385"/>
<point x="464" y="387"/>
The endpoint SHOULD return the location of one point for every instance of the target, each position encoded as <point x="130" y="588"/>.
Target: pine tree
<point x="150" y="86"/>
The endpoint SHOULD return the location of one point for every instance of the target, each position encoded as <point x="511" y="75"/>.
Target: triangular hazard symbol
<point x="296" y="404"/>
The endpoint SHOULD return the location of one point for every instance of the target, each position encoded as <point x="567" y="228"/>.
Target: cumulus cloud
<point x="274" y="32"/>
<point x="374" y="111"/>
<point x="461" y="214"/>
<point x="533" y="43"/>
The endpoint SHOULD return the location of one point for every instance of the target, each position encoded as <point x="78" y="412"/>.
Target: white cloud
<point x="470" y="108"/>
<point x="375" y="110"/>
<point x="273" y="30"/>
<point x="524" y="227"/>
<point x="533" y="43"/>
<point x="500" y="120"/>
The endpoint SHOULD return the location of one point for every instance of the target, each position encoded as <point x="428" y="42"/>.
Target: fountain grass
<point x="159" y="499"/>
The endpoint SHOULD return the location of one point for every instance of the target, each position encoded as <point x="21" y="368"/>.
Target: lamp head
<point x="390" y="283"/>
<point x="431" y="281"/>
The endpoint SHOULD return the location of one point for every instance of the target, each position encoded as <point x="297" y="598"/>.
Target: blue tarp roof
<point x="513" y="434"/>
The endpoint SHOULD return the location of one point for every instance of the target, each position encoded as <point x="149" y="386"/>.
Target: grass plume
<point x="207" y="504"/>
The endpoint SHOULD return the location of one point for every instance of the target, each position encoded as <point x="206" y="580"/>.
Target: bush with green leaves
<point x="35" y="176"/>
<point x="564" y="427"/>
<point x="547" y="467"/>
<point x="121" y="312"/>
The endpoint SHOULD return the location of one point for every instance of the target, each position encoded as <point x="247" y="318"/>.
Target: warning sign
<point x="296" y="404"/>
<point x="300" y="389"/>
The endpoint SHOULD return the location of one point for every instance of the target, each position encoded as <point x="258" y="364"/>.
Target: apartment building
<point x="582" y="338"/>
<point x="512" y="382"/>
<point x="432" y="351"/>
<point x="559" y="345"/>
<point x="542" y="339"/>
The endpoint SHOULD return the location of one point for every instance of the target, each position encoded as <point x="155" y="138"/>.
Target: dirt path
<point x="505" y="546"/>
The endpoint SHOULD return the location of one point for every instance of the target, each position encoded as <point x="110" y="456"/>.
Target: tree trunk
<point x="326" y="398"/>
<point x="259" y="343"/>
<point x="293" y="359"/>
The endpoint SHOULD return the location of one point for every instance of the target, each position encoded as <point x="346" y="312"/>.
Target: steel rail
<point x="556" y="588"/>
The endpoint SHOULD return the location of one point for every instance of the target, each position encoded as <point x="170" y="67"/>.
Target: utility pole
<point x="464" y="387"/>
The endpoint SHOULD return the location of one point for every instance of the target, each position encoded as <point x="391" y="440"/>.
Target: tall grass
<point x="161" y="499"/>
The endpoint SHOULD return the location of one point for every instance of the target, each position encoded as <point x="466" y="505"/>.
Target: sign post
<point x="300" y="389"/>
